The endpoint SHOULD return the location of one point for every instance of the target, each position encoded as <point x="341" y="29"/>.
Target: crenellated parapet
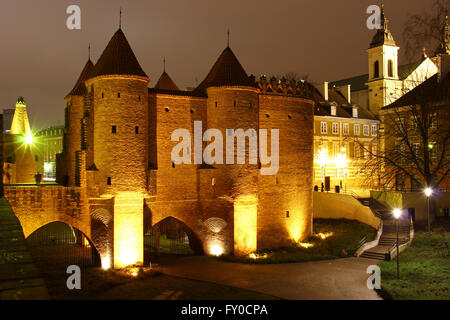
<point x="282" y="86"/>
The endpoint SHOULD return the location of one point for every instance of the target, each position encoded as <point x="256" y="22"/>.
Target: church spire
<point x="444" y="46"/>
<point x="20" y="123"/>
<point x="383" y="35"/>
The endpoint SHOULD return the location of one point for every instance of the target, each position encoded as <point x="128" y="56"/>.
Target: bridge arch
<point x="60" y="244"/>
<point x="172" y="235"/>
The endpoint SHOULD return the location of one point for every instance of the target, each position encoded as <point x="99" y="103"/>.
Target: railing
<point x="361" y="243"/>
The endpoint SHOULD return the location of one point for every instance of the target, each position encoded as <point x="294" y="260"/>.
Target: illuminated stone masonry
<point x="117" y="156"/>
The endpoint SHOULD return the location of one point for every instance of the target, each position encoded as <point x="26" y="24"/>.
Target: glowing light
<point x="256" y="256"/>
<point x="216" y="250"/>
<point x="29" y="139"/>
<point x="48" y="167"/>
<point x="305" y="245"/>
<point x="428" y="192"/>
<point x="430" y="146"/>
<point x="106" y="262"/>
<point x="397" y="213"/>
<point x="323" y="236"/>
<point x="245" y="217"/>
<point x="322" y="157"/>
<point x="340" y="160"/>
<point x="128" y="226"/>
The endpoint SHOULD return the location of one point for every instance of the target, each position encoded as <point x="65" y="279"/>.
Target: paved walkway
<point x="342" y="279"/>
<point x="19" y="277"/>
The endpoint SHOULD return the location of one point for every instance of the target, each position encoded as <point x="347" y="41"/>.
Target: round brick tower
<point x="232" y="108"/>
<point x="74" y="114"/>
<point x="119" y="88"/>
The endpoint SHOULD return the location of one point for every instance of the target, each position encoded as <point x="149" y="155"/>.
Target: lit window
<point x="357" y="151"/>
<point x="416" y="149"/>
<point x="335" y="128"/>
<point x="335" y="149"/>
<point x="433" y="121"/>
<point x="366" y="129"/>
<point x="323" y="127"/>
<point x="356" y="129"/>
<point x="374" y="130"/>
<point x="345" y="128"/>
<point x="433" y="151"/>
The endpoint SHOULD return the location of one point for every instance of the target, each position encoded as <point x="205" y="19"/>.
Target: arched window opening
<point x="376" y="69"/>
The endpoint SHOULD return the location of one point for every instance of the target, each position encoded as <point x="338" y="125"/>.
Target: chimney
<point x="354" y="111"/>
<point x="346" y="92"/>
<point x="323" y="89"/>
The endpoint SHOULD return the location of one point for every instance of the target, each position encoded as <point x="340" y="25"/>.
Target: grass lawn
<point x="346" y="235"/>
<point x="97" y="284"/>
<point x="424" y="269"/>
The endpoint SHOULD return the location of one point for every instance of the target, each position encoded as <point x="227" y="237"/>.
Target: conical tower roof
<point x="79" y="89"/>
<point x="165" y="82"/>
<point x="20" y="123"/>
<point x="227" y="71"/>
<point x="118" y="58"/>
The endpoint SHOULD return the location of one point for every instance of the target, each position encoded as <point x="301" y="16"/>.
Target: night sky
<point x="41" y="59"/>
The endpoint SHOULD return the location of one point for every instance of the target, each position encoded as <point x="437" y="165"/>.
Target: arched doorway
<point x="59" y="245"/>
<point x="170" y="236"/>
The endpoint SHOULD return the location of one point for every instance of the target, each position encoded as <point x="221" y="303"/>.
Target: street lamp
<point x="428" y="192"/>
<point x="29" y="139"/>
<point x="397" y="213"/>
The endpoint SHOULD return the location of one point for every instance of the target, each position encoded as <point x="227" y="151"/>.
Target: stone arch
<point x="195" y="240"/>
<point x="50" y="235"/>
<point x="103" y="235"/>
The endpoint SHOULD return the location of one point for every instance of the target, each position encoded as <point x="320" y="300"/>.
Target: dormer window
<point x="333" y="110"/>
<point x="355" y="112"/>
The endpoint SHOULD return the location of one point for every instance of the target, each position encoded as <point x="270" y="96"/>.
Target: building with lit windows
<point x="345" y="135"/>
<point x="51" y="142"/>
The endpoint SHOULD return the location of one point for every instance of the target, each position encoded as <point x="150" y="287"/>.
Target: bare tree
<point x="414" y="142"/>
<point x="424" y="30"/>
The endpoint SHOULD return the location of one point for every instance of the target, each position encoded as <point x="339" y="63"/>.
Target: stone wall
<point x="37" y="206"/>
<point x="342" y="206"/>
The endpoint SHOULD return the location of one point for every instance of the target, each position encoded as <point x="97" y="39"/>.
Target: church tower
<point x="20" y="123"/>
<point x="384" y="84"/>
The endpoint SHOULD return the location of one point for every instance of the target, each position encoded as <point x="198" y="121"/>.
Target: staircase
<point x="389" y="234"/>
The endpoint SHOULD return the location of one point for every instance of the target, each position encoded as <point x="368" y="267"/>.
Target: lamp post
<point x="397" y="213"/>
<point x="428" y="193"/>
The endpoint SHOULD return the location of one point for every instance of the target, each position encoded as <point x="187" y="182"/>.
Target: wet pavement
<point x="341" y="279"/>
